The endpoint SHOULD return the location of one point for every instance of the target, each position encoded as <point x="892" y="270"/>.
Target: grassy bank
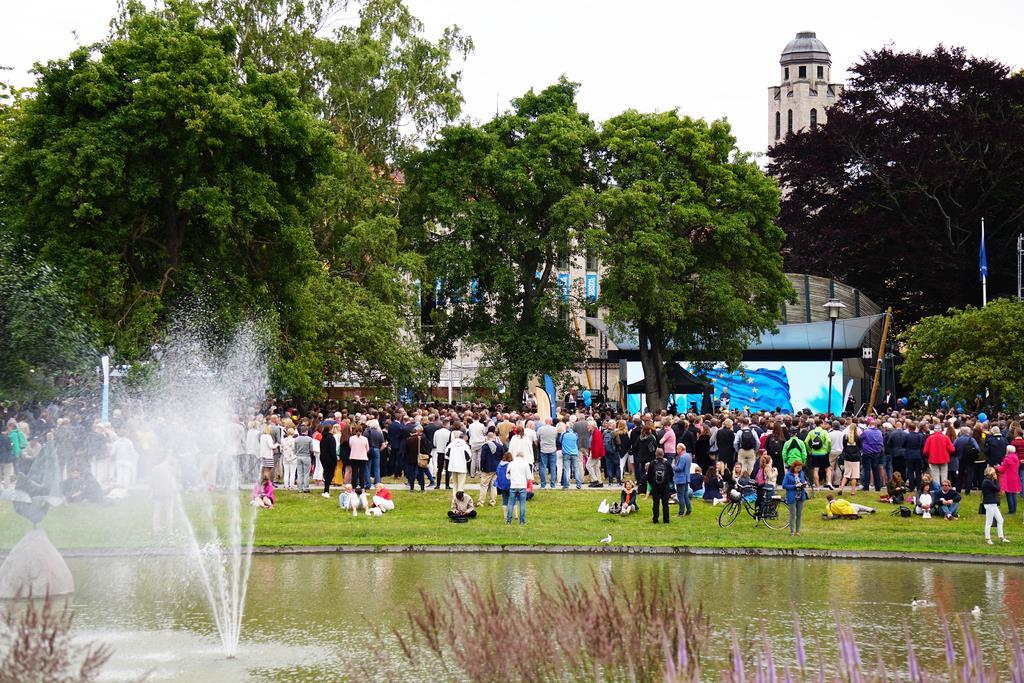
<point x="554" y="518"/>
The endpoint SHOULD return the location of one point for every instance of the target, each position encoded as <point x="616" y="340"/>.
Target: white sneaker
<point x="989" y="541"/>
<point x="325" y="495"/>
<point x="1005" y="540"/>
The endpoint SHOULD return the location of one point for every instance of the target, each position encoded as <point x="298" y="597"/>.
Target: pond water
<point x="307" y="613"/>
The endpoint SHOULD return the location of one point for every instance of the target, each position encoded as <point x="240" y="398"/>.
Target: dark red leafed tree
<point x="888" y="196"/>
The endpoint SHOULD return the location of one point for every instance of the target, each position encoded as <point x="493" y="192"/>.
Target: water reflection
<point x="307" y="612"/>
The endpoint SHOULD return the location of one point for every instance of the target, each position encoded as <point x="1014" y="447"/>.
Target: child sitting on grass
<point x="263" y="493"/>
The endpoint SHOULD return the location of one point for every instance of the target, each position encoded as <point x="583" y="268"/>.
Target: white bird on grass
<point x="976" y="612"/>
<point x="919" y="603"/>
<point x="607" y="539"/>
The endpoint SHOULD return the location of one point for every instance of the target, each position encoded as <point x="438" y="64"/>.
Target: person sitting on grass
<point x="837" y="507"/>
<point x="357" y="501"/>
<point x="949" y="500"/>
<point x="697" y="482"/>
<point x="343" y="497"/>
<point x="897" y="489"/>
<point x="926" y="496"/>
<point x="382" y="499"/>
<point x="462" y="507"/>
<point x="263" y="493"/>
<point x="713" y="484"/>
<point x="627" y="499"/>
<point x="80" y="487"/>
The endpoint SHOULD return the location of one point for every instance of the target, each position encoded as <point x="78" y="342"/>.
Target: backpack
<point x="503" y="483"/>
<point x="659" y="472"/>
<point x="851" y="451"/>
<point x="792" y="445"/>
<point x="971" y="452"/>
<point x="816" y="441"/>
<point x="748" y="441"/>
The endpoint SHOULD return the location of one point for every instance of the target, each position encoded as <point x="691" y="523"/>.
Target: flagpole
<point x="984" y="273"/>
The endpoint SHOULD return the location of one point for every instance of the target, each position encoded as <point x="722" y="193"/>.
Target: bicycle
<point x="767" y="512"/>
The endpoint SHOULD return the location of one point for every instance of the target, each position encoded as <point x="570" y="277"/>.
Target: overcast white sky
<point x="709" y="59"/>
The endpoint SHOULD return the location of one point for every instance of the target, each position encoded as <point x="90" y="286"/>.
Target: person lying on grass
<point x="837" y="507"/>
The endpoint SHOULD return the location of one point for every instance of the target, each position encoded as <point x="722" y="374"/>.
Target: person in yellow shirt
<point x="837" y="507"/>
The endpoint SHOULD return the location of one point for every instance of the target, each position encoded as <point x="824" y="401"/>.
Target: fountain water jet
<point x="199" y="392"/>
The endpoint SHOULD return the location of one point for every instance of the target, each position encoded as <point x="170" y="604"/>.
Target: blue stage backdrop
<point x="789" y="386"/>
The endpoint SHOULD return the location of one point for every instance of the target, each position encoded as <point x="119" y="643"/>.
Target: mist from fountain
<point x="196" y="401"/>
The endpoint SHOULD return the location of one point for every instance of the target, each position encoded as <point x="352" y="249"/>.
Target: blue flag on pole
<point x="982" y="259"/>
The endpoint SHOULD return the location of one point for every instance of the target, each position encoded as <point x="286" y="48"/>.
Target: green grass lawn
<point x="554" y="518"/>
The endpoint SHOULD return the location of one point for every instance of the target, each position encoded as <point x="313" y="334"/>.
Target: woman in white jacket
<point x="459" y="455"/>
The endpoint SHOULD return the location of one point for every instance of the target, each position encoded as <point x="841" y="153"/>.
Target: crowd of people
<point x="928" y="463"/>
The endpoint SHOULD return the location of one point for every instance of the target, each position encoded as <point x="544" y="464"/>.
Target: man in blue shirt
<point x="571" y="458"/>
<point x="871" y="447"/>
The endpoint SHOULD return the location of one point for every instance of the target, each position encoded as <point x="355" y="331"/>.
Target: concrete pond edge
<point x="791" y="553"/>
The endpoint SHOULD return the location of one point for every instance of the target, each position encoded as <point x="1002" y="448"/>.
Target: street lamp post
<point x="833" y="306"/>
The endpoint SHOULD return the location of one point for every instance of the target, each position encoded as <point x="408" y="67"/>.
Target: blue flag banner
<point x="982" y="259"/>
<point x="563" y="285"/>
<point x="753" y="389"/>
<point x="474" y="290"/>
<point x="549" y="388"/>
<point x="591" y="287"/>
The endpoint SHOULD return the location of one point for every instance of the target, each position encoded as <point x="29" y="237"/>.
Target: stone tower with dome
<point x="802" y="101"/>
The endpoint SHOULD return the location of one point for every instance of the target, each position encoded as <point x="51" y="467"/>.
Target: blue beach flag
<point x="982" y="258"/>
<point x="983" y="266"/>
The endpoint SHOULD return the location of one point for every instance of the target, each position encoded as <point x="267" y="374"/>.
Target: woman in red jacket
<point x="937" y="449"/>
<point x="596" y="459"/>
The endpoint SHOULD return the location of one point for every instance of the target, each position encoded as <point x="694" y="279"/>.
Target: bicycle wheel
<point x="728" y="514"/>
<point x="770" y="517"/>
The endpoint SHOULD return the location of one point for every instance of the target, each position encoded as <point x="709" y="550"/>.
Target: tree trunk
<point x="517" y="382"/>
<point x="655" y="378"/>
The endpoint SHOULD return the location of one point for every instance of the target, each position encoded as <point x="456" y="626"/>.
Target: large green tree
<point x="147" y="171"/>
<point x="688" y="243"/>
<point x="968" y="352"/>
<point x="498" y="207"/>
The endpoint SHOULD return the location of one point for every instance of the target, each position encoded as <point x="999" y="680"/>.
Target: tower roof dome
<point x="805" y="48"/>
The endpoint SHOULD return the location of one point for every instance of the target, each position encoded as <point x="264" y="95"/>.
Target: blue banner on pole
<point x="474" y="290"/>
<point x="982" y="259"/>
<point x="591" y="287"/>
<point x="549" y="387"/>
<point x="563" y="285"/>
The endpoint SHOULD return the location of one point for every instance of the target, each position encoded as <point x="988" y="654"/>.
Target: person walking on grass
<point x="659" y="476"/>
<point x="990" y="503"/>
<point x="819" y="446"/>
<point x="518" y="473"/>
<point x="1009" y="478"/>
<point x="571" y="459"/>
<point x="681" y="478"/>
<point x="490" y="455"/>
<point x="851" y="458"/>
<point x="795" y="485"/>
<point x="937" y="449"/>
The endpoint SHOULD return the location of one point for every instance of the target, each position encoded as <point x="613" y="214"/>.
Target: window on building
<point x="814" y="119"/>
<point x="591" y="261"/>
<point x="778" y="125"/>
<point x="785" y="73"/>
<point x="563" y="261"/>
<point x="803" y="72"/>
<point x="789" y="121"/>
<point x="821" y="72"/>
